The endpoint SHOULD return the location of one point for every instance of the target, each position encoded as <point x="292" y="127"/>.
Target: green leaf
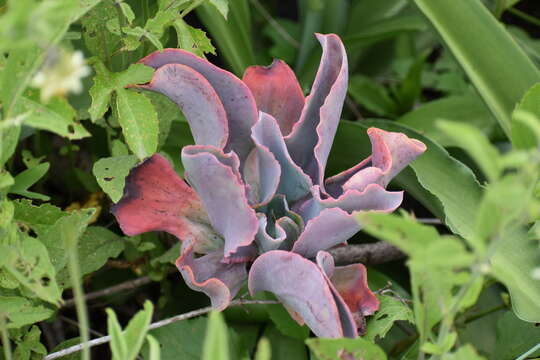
<point x="372" y="95"/>
<point x="38" y="218"/>
<point x="155" y="350"/>
<point x="284" y="322"/>
<point x="134" y="74"/>
<point x="111" y="174"/>
<point x="9" y="138"/>
<point x="337" y="349"/>
<point x="466" y="352"/>
<point x="20" y="311"/>
<point x="284" y="347"/>
<point x="216" y="343"/>
<point x="443" y="348"/>
<point x="471" y="139"/>
<point x="29" y="263"/>
<point x="97" y="38"/>
<point x="390" y="311"/>
<point x="500" y="86"/>
<point x="128" y="13"/>
<point x="96" y="245"/>
<point x="522" y="137"/>
<point x="410" y="88"/>
<point x="222" y="6"/>
<point x="264" y="350"/>
<point x="467" y="108"/>
<point x="193" y="39"/>
<point x="180" y="340"/>
<point x="27" y="178"/>
<point x="126" y="344"/>
<point x="30" y="347"/>
<point x="56" y="116"/>
<point x="514" y="337"/>
<point x="139" y="122"/>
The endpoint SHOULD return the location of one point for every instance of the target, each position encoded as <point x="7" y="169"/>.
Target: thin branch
<point x="161" y="323"/>
<point x="127" y="285"/>
<point x="433" y="221"/>
<point x="368" y="254"/>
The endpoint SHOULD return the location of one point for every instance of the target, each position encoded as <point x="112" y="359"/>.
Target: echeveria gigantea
<point x="257" y="196"/>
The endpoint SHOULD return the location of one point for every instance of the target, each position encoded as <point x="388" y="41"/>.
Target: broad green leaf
<point x="216" y="343"/>
<point x="372" y="11"/>
<point x="522" y="137"/>
<point x="9" y="138"/>
<point x="500" y="86"/>
<point x="283" y="321"/>
<point x="284" y="347"/>
<point x="134" y="74"/>
<point x="29" y="263"/>
<point x="168" y="257"/>
<point x="193" y="39"/>
<point x="20" y="311"/>
<point x="139" y="122"/>
<point x="390" y="311"/>
<point x="27" y="178"/>
<point x="264" y="350"/>
<point x="180" y="340"/>
<point x="96" y="245"/>
<point x="514" y="337"/>
<point x="467" y="108"/>
<point x="466" y="352"/>
<point x="450" y="181"/>
<point x="126" y="344"/>
<point x="111" y="174"/>
<point x="515" y="258"/>
<point x="222" y="6"/>
<point x="372" y="95"/>
<point x="471" y="139"/>
<point x="337" y="349"/>
<point x="155" y="350"/>
<point x="167" y="112"/>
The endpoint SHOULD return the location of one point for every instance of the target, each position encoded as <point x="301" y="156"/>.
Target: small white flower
<point x="61" y="75"/>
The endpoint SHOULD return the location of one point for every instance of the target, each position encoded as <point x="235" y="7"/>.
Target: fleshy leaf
<point x="391" y="153"/>
<point x="197" y="99"/>
<point x="277" y="92"/>
<point x="301" y="286"/>
<point x="155" y="198"/>
<point x="210" y="275"/>
<point x="311" y="138"/>
<point x="234" y="94"/>
<point x="294" y="183"/>
<point x="331" y="227"/>
<point x="373" y="197"/>
<point x="223" y="194"/>
<point x="261" y="174"/>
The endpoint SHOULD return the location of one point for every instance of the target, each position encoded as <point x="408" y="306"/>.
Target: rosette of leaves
<point x="257" y="197"/>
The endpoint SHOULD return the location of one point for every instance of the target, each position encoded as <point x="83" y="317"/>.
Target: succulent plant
<point x="257" y="197"/>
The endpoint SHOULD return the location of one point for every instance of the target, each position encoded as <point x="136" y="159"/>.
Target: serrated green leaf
<point x="139" y="122"/>
<point x="20" y="311"/>
<point x="101" y="91"/>
<point x="337" y="349"/>
<point x="29" y="262"/>
<point x="134" y="74"/>
<point x="390" y="311"/>
<point x="216" y="341"/>
<point x="27" y="178"/>
<point x="97" y="38"/>
<point x="111" y="174"/>
<point x="192" y="39"/>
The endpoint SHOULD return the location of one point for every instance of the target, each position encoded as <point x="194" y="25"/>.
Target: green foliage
<point x="216" y="343"/>
<point x="390" y="311"/>
<point x="126" y="344"/>
<point x="336" y="349"/>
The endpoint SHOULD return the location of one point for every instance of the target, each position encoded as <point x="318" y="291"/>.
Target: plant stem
<point x="531" y="19"/>
<point x="529" y="352"/>
<point x="78" y="294"/>
<point x="6" y="344"/>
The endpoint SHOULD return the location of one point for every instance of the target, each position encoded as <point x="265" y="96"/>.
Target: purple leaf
<point x="294" y="183"/>
<point x="261" y="175"/>
<point x="198" y="100"/>
<point x="215" y="178"/>
<point x="234" y="94"/>
<point x="330" y="228"/>
<point x="311" y="138"/>
<point x="210" y="275"/>
<point x="301" y="286"/>
<point x="373" y="197"/>
<point x="155" y="198"/>
<point x="277" y="92"/>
